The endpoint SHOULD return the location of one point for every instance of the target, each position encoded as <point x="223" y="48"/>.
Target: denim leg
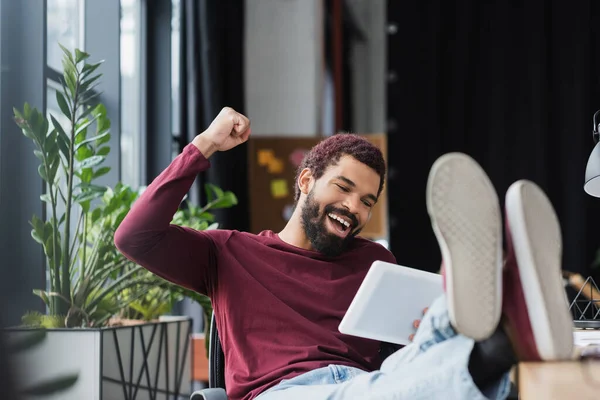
<point x="434" y="366"/>
<point x="434" y="328"/>
<point x="437" y="343"/>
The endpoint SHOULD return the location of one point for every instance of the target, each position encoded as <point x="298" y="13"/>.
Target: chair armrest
<point x="209" y="394"/>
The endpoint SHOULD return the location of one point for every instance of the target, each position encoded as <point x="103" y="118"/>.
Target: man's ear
<point x="304" y="180"/>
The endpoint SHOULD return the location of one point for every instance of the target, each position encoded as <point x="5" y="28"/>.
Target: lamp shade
<point x="592" y="173"/>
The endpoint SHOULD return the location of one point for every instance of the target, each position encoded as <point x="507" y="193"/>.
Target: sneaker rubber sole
<point x="535" y="244"/>
<point x="466" y="219"/>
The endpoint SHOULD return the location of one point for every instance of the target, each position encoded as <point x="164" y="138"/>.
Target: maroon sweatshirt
<point x="277" y="306"/>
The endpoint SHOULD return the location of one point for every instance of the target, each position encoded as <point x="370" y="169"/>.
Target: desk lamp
<point x="592" y="171"/>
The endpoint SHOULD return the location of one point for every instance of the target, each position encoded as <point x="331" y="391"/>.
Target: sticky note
<point x="297" y="156"/>
<point x="275" y="166"/>
<point x="265" y="156"/>
<point x="279" y="188"/>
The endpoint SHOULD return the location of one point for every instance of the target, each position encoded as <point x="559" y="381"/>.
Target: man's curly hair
<point x="329" y="151"/>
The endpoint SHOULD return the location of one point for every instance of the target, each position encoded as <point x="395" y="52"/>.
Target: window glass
<point x="64" y="26"/>
<point x="175" y="79"/>
<point x="131" y="87"/>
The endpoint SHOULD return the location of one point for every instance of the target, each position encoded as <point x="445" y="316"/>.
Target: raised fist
<point x="228" y="129"/>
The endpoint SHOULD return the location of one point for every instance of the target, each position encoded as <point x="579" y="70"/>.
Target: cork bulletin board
<point x="272" y="169"/>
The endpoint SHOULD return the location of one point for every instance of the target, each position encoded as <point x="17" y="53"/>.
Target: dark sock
<point x="491" y="359"/>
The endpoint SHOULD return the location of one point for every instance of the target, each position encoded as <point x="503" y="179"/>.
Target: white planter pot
<point x="143" y="362"/>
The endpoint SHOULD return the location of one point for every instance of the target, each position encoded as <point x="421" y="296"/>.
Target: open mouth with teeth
<point x="340" y="226"/>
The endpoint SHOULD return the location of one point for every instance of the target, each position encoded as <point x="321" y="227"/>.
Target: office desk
<point x="559" y="380"/>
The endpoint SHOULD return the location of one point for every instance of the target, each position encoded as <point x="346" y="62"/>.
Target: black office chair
<point x="216" y="366"/>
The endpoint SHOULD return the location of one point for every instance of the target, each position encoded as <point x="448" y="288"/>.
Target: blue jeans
<point x="434" y="366"/>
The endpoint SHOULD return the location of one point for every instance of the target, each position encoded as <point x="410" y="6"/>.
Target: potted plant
<point x="113" y="353"/>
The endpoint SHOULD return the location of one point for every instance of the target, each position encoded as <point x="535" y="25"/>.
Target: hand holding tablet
<point x="389" y="301"/>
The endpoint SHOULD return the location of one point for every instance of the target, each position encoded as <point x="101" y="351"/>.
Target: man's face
<point x="339" y="204"/>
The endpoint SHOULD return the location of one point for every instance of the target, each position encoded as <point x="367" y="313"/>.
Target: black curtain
<point x="512" y="83"/>
<point x="212" y="62"/>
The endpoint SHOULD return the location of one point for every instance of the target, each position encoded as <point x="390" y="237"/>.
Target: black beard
<point x="322" y="241"/>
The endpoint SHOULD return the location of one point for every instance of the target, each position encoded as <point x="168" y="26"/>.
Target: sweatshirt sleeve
<point x="146" y="236"/>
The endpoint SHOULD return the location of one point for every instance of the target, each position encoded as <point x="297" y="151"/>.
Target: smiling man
<point x="278" y="298"/>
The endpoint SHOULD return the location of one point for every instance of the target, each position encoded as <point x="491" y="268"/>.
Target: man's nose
<point x="352" y="204"/>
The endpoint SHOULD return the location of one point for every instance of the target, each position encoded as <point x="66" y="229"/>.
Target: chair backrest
<point x="216" y="357"/>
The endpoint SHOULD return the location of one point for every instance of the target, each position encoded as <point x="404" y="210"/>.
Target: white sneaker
<point x="467" y="222"/>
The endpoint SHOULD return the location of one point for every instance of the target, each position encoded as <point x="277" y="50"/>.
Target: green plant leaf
<point x="99" y="110"/>
<point x="89" y="69"/>
<point x="52" y="386"/>
<point x="201" y="226"/>
<point x="27" y="110"/>
<point x="90" y="162"/>
<point x="37" y="233"/>
<point x="83" y="129"/>
<point x="91" y="95"/>
<point x="36" y="236"/>
<point x="32" y="319"/>
<point x="63" y="146"/>
<point x="45" y="126"/>
<point x="206" y="216"/>
<point x="58" y="127"/>
<point x="80" y="56"/>
<point x="91" y="187"/>
<point x="42" y="295"/>
<point x="86" y="175"/>
<point x="94" y="138"/>
<point x="96" y="214"/>
<point x="69" y="75"/>
<point x="103" y="138"/>
<point x="46" y="198"/>
<point x="36" y="126"/>
<point x="86" y="85"/>
<point x="37" y="223"/>
<point x="62" y="219"/>
<point x="103" y="151"/>
<point x="83" y="152"/>
<point x="42" y="172"/>
<point x="49" y="246"/>
<point x="18" y="115"/>
<point x="20" y="120"/>
<point x="62" y="104"/>
<point x="47" y="229"/>
<point x="27" y="132"/>
<point x="86" y="111"/>
<point x="212" y="192"/>
<point x="227" y="200"/>
<point x="100" y="172"/>
<point x="87" y="196"/>
<point x="53" y="167"/>
<point x="214" y="225"/>
<point x="53" y="321"/>
<point x="67" y="53"/>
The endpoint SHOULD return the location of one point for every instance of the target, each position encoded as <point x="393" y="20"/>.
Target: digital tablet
<point x="388" y="301"/>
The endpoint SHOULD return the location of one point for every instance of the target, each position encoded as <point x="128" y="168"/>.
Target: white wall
<point x="284" y="66"/>
<point x="285" y="86"/>
<point x="369" y="62"/>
